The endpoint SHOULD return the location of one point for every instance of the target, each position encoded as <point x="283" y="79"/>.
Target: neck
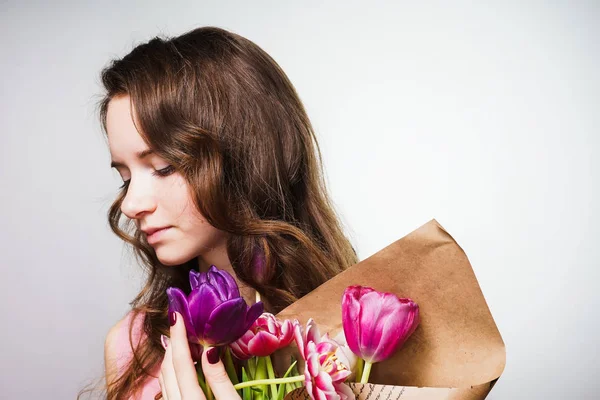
<point x="220" y="260"/>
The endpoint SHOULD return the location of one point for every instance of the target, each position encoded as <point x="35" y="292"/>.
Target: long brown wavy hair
<point x="220" y="110"/>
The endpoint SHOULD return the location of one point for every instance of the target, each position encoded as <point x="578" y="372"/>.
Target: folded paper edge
<point x="473" y="392"/>
<point x="502" y="365"/>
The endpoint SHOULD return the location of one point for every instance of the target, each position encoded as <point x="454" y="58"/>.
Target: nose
<point x="138" y="200"/>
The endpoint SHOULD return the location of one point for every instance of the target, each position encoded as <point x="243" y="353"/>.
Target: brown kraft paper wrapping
<point x="456" y="352"/>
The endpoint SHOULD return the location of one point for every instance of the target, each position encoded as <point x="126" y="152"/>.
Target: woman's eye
<point x="165" y="171"/>
<point x="161" y="172"/>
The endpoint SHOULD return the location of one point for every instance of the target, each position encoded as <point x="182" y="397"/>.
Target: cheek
<point x="179" y="202"/>
<point x="188" y="218"/>
<point x="200" y="229"/>
<point x="190" y="214"/>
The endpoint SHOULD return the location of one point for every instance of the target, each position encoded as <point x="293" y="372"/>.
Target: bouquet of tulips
<point x="375" y="325"/>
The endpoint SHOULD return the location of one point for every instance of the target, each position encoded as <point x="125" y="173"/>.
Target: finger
<point x="161" y="383"/>
<point x="216" y="376"/>
<point x="171" y="386"/>
<point x="183" y="363"/>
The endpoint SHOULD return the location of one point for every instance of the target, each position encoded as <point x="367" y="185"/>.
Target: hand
<point x="178" y="379"/>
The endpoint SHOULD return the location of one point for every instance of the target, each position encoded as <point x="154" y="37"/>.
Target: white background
<point x="485" y="117"/>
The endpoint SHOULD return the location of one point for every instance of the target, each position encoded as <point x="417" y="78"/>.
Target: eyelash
<point x="161" y="172"/>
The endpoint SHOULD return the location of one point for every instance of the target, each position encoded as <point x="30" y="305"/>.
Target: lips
<point x="150" y="231"/>
<point x="156" y="234"/>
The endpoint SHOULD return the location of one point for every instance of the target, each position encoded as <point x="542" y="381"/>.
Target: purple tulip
<point x="214" y="313"/>
<point x="377" y="324"/>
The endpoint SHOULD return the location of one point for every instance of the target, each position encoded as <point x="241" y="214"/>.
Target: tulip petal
<point x="344" y="391"/>
<point x="220" y="285"/>
<point x="287" y="333"/>
<point x="203" y="301"/>
<point x="389" y="331"/>
<point x="225" y="323"/>
<point x="325" y="347"/>
<point x="312" y="359"/>
<point x="239" y="348"/>
<point x="271" y="323"/>
<point x="310" y="388"/>
<point x="223" y="283"/>
<point x="388" y="310"/>
<point x="263" y="344"/>
<point x="226" y="284"/>
<point x="350" y="318"/>
<point x="178" y="302"/>
<point x="323" y="382"/>
<point x="346" y="357"/>
<point x="194" y="279"/>
<point x="203" y="277"/>
<point x="318" y="394"/>
<point x="253" y="313"/>
<point x="396" y="329"/>
<point x="312" y="332"/>
<point x="234" y="290"/>
<point x="299" y="339"/>
<point x="392" y="329"/>
<point x="340" y="374"/>
<point x="371" y="312"/>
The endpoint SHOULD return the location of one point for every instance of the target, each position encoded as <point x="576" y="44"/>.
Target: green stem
<point x="229" y="366"/>
<point x="359" y="368"/>
<point x="261" y="373"/>
<point x="366" y="372"/>
<point x="271" y="374"/>
<point x="258" y="382"/>
<point x="209" y="393"/>
<point x="252" y="367"/>
<point x="201" y="380"/>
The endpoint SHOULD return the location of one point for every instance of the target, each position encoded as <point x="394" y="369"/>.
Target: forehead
<point x="123" y="137"/>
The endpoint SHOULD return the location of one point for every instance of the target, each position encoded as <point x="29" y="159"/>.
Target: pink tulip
<point x="326" y="365"/>
<point x="377" y="324"/>
<point x="264" y="337"/>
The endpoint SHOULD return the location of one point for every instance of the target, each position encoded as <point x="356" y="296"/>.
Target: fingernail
<point x="172" y="318"/>
<point x="164" y="341"/>
<point x="212" y="355"/>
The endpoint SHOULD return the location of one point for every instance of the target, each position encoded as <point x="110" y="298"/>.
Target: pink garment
<point x="151" y="386"/>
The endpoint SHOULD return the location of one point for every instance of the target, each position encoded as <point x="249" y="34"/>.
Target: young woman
<point x="220" y="167"/>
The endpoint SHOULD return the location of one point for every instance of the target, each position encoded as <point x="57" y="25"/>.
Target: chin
<point x="168" y="259"/>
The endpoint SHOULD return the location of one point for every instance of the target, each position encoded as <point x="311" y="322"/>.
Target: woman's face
<point x="157" y="196"/>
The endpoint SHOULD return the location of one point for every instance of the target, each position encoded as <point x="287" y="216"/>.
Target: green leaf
<point x="229" y="367"/>
<point x="246" y="392"/>
<point x="259" y="392"/>
<point x="295" y="368"/>
<point x="201" y="379"/>
<point x="252" y="368"/>
<point x="282" y="387"/>
<point x="260" y="373"/>
<point x="271" y="373"/>
<point x="294" y="373"/>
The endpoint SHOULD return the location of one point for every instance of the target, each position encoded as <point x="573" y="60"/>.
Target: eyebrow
<point x="140" y="155"/>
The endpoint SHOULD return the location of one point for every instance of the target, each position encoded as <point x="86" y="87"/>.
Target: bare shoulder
<point x="111" y="349"/>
